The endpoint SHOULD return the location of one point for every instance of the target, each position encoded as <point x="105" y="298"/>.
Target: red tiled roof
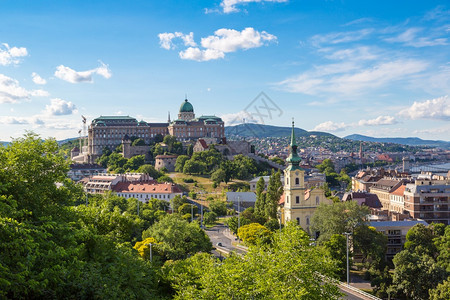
<point x="203" y="143"/>
<point x="399" y="191"/>
<point x="146" y="187"/>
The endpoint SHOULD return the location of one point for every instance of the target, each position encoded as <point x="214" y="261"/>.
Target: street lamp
<point x="239" y="217"/>
<point x="279" y="218"/>
<point x="347" y="234"/>
<point x="151" y="256"/>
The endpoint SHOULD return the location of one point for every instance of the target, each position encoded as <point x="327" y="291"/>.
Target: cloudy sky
<point x="378" y="68"/>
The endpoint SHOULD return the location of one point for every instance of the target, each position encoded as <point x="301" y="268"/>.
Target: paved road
<point x="216" y="235"/>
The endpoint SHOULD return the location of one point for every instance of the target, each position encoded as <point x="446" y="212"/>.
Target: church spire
<point x="168" y="117"/>
<point x="293" y="135"/>
<point x="293" y="158"/>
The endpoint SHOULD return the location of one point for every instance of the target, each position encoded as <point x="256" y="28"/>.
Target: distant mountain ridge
<point x="261" y="130"/>
<point x="410" y="141"/>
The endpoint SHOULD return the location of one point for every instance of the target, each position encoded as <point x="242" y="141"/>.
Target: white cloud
<point x="354" y="54"/>
<point x="72" y="76"/>
<point x="238" y="118"/>
<point x="12" y="92"/>
<point x="340" y="37"/>
<point x="225" y="41"/>
<point x="38" y="79"/>
<point x="349" y="79"/>
<point x="201" y="55"/>
<point x="166" y="39"/>
<point x="229" y="6"/>
<point x="13" y="120"/>
<point x="60" y="107"/>
<point x="381" y="120"/>
<point x="438" y="108"/>
<point x="10" y="55"/>
<point x="230" y="40"/>
<point x="331" y="126"/>
<point x="410" y="38"/>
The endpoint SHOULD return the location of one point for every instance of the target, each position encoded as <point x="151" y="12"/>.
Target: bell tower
<point x="294" y="183"/>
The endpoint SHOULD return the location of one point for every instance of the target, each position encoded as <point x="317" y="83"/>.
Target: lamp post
<point x="279" y="218"/>
<point x="239" y="217"/>
<point x="201" y="215"/>
<point x="151" y="256"/>
<point x="138" y="207"/>
<point x="347" y="234"/>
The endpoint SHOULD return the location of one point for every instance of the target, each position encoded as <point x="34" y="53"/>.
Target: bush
<point x="193" y="195"/>
<point x="188" y="180"/>
<point x="209" y="218"/>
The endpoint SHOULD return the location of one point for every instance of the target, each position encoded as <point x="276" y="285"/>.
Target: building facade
<point x="109" y="131"/>
<point x="298" y="203"/>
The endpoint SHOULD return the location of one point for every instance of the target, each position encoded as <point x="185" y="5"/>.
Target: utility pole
<point x="347" y="234"/>
<point x="151" y="256"/>
<point x="239" y="216"/>
<point x="201" y="215"/>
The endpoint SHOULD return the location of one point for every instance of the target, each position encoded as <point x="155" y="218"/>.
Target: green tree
<point x="49" y="247"/>
<point x="177" y="201"/>
<point x="372" y="245"/>
<point x="287" y="269"/>
<point x="260" y="198"/>
<point x="138" y="142"/>
<point x="419" y="239"/>
<point x="179" y="163"/>
<point x="337" y="218"/>
<point x="218" y="176"/>
<point x="188" y="208"/>
<point x="219" y="207"/>
<point x="209" y="217"/>
<point x="178" y="238"/>
<point x="233" y="223"/>
<point x="336" y="248"/>
<point x="442" y="291"/>
<point x="134" y="163"/>
<point x="150" y="170"/>
<point x="190" y="150"/>
<point x="254" y="233"/>
<point x="165" y="178"/>
<point x="194" y="167"/>
<point x="274" y="192"/>
<point x="415" y="274"/>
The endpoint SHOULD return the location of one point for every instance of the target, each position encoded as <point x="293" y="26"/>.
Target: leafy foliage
<point x="178" y="238"/>
<point x="287" y="269"/>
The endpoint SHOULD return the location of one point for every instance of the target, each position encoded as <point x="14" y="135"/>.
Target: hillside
<point x="410" y="141"/>
<point x="260" y="130"/>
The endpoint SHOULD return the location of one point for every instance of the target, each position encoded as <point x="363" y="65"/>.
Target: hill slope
<point x="259" y="130"/>
<point x="410" y="141"/>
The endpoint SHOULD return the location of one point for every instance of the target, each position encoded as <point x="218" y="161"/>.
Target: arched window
<point x="317" y="200"/>
<point x="298" y="221"/>
<point x="307" y="220"/>
<point x="297" y="181"/>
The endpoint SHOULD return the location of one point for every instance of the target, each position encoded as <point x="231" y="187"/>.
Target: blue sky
<point x="379" y="68"/>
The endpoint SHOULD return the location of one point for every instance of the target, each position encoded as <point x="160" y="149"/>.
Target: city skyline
<point x="379" y="69"/>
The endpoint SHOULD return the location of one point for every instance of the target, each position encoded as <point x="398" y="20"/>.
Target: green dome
<point x="186" y="107"/>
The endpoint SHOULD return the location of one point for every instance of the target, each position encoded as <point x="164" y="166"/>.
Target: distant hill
<point x="410" y="141"/>
<point x="260" y="130"/>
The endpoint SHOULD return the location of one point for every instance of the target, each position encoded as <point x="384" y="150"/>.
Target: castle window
<point x="297" y="199"/>
<point x="297" y="181"/>
<point x="317" y="200"/>
<point x="298" y="221"/>
<point x="307" y="220"/>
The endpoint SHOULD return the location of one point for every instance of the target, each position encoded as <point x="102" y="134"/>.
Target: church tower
<point x="299" y="203"/>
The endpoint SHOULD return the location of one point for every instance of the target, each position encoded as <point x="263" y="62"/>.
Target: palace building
<point x="109" y="131"/>
<point x="297" y="202"/>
